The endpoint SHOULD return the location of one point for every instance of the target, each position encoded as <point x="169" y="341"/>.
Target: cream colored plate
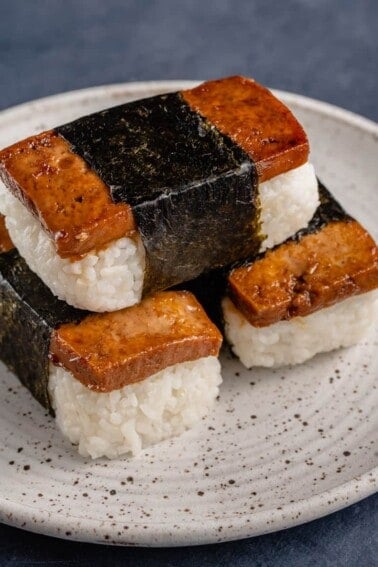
<point x="281" y="447"/>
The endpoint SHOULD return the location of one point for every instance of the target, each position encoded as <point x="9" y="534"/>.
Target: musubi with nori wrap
<point x="116" y="382"/>
<point x="143" y="196"/>
<point x="314" y="293"/>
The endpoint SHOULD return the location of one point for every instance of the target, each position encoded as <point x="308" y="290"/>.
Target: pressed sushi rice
<point x="300" y="338"/>
<point x="137" y="415"/>
<point x="288" y="202"/>
<point x="104" y="280"/>
<point x="112" y="278"/>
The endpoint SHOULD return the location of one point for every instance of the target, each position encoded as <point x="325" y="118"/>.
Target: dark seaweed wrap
<point x="28" y="313"/>
<point x="329" y="210"/>
<point x="193" y="191"/>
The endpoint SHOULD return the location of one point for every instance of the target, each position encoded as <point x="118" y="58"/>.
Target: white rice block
<point x="135" y="416"/>
<point x="288" y="203"/>
<point x="105" y="280"/>
<point x="112" y="278"/>
<point x="300" y="338"/>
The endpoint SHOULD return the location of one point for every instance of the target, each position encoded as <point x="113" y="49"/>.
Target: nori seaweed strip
<point x="193" y="190"/>
<point x="209" y="289"/>
<point x="28" y="313"/>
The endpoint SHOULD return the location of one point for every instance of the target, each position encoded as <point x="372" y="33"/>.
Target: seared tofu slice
<point x="108" y="351"/>
<point x="301" y="276"/>
<point x="71" y="201"/>
<point x="256" y="120"/>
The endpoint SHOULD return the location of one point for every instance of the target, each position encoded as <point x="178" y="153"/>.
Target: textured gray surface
<point x="319" y="48"/>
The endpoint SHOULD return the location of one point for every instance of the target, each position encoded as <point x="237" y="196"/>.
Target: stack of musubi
<point x="107" y="213"/>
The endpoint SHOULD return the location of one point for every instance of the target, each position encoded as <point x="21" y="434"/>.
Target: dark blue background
<point x="321" y="48"/>
<point x="325" y="49"/>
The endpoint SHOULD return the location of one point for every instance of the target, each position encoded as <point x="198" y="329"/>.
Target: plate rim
<point x="320" y="504"/>
<point x="135" y="86"/>
<point x="326" y="502"/>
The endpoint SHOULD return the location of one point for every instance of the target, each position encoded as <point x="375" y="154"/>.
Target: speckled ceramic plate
<point x="281" y="447"/>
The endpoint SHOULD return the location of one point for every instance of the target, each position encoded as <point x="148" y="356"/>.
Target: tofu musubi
<point x="314" y="293"/>
<point x="148" y="194"/>
<point x="116" y="382"/>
